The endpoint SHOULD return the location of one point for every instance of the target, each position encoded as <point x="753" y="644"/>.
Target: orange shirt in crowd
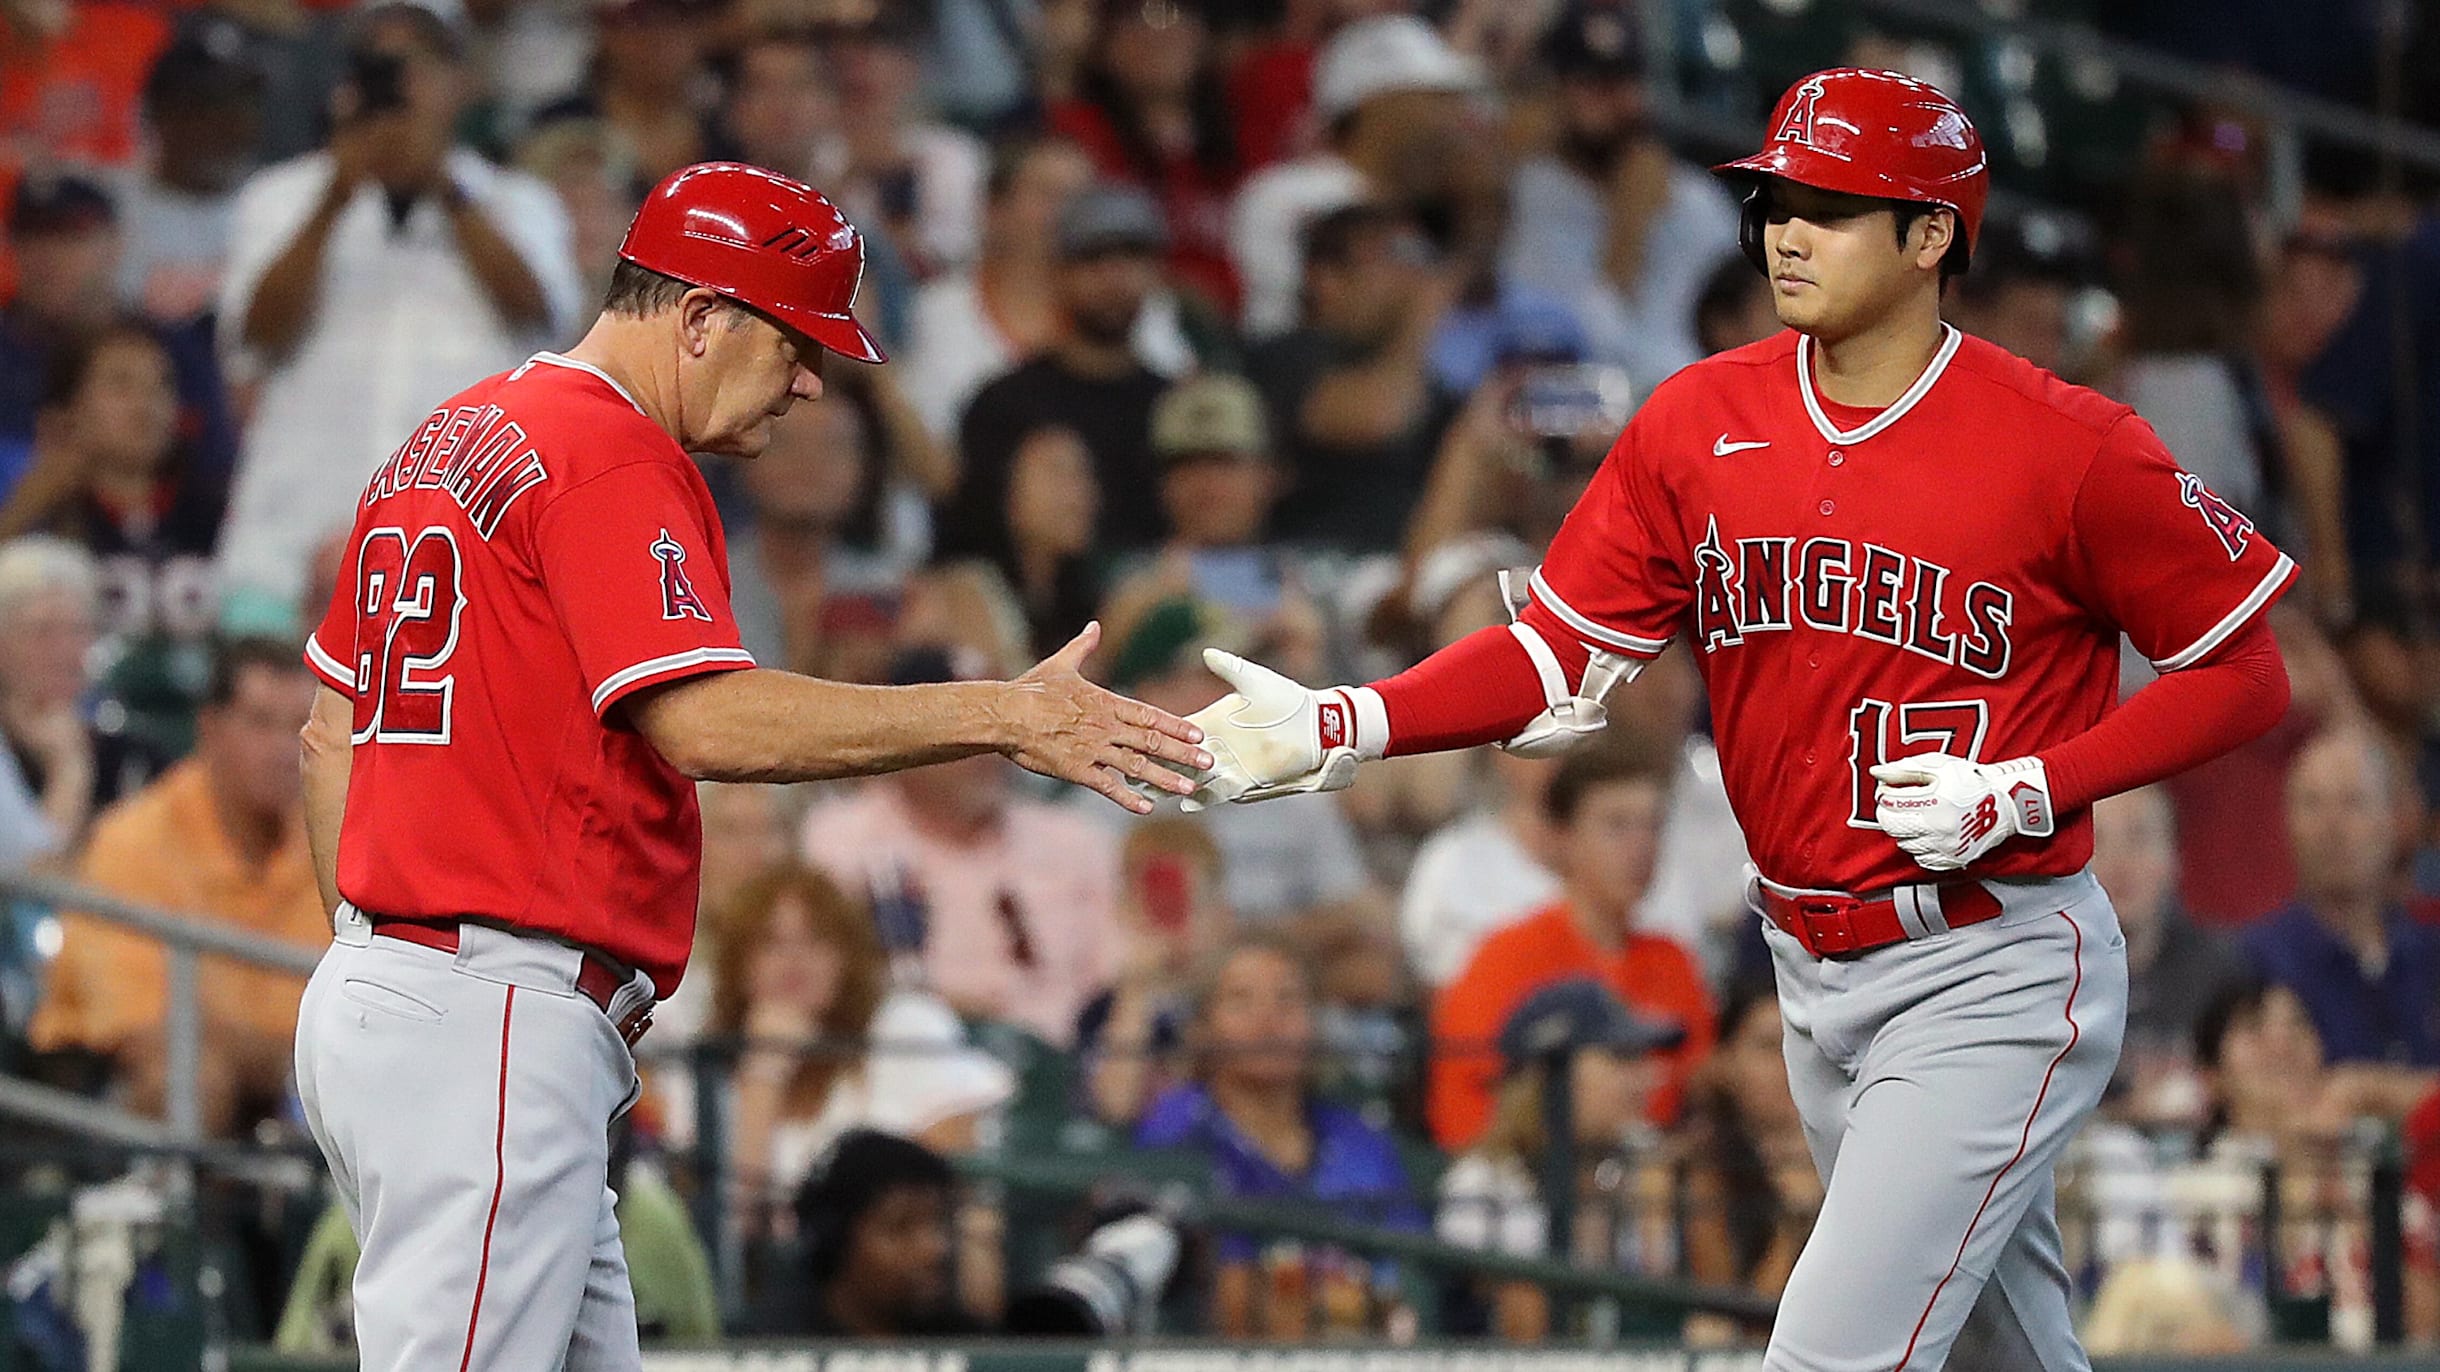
<point x="1656" y="977"/>
<point x="164" y="846"/>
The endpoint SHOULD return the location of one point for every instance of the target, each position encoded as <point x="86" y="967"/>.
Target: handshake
<point x="1270" y="737"/>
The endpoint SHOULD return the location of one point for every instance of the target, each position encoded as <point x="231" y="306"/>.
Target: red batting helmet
<point x="763" y="239"/>
<point x="1873" y="133"/>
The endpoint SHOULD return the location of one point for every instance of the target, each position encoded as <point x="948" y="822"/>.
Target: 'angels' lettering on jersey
<point x="1749" y="586"/>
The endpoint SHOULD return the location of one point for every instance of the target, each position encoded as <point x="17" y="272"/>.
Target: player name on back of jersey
<point x="475" y="454"/>
<point x="1757" y="585"/>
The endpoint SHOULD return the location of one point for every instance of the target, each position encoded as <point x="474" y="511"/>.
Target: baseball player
<point x="1904" y="560"/>
<point x="527" y="661"/>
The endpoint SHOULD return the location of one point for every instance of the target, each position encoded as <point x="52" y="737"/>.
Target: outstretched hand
<point x="1271" y="736"/>
<point x="1061" y="725"/>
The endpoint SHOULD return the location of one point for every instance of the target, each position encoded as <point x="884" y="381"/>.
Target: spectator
<point x="583" y="164"/>
<point x="72" y="86"/>
<point x="1610" y="219"/>
<point x="2174" y="968"/>
<point x="2367" y="974"/>
<point x="745" y="834"/>
<point x="1734" y="307"/>
<point x="219" y="838"/>
<point x="799" y="975"/>
<point x="370" y="281"/>
<point x="1017" y="898"/>
<point x="1218" y="483"/>
<point x="50" y="600"/>
<point x="203" y="104"/>
<point x="969" y="326"/>
<point x="877" y="1222"/>
<point x="1292" y="862"/>
<point x="1481" y="872"/>
<point x="2020" y="290"/>
<point x="1054" y="504"/>
<point x="1605" y="806"/>
<point x="803" y="490"/>
<point x="1128" y="1037"/>
<point x="1088" y="380"/>
<point x="1251" y="1110"/>
<point x="67" y="238"/>
<point x="1149" y="108"/>
<point x="1751" y="1188"/>
<point x="919" y="181"/>
<point x="648" y="84"/>
<point x="1492" y="1199"/>
<point x="1352" y="386"/>
<point x="114" y="480"/>
<point x="1391" y="92"/>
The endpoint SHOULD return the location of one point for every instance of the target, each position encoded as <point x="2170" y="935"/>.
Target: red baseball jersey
<point x="535" y="553"/>
<point x="1950" y="574"/>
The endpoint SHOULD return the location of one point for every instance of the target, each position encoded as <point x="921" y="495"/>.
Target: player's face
<point x="1837" y="263"/>
<point x="752" y="371"/>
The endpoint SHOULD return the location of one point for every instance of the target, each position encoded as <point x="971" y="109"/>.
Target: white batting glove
<point x="1270" y="737"/>
<point x="1946" y="811"/>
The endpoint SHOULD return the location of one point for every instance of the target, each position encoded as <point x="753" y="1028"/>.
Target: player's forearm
<point x="325" y="755"/>
<point x="1481" y="689"/>
<point x="2185" y="718"/>
<point x="764" y="725"/>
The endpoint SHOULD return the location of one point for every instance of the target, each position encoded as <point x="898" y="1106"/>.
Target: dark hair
<point x="1215" y="143"/>
<point x="864" y="1166"/>
<point x="2239" y="1002"/>
<point x="1331" y="239"/>
<point x="437" y="36"/>
<point x="2191" y="280"/>
<point x="639" y="291"/>
<point x="1618" y="754"/>
<point x="1726" y="1140"/>
<point x="1009" y="156"/>
<point x="72" y="365"/>
<point x="232" y="656"/>
<point x="1725" y="292"/>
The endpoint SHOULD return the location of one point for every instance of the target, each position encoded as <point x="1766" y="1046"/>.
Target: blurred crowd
<point x="1284" y="328"/>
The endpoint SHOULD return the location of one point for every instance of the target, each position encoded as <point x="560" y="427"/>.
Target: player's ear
<point x="1933" y="234"/>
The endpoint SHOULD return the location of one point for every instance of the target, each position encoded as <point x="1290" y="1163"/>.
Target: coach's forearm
<point x="765" y="725"/>
<point x="326" y="753"/>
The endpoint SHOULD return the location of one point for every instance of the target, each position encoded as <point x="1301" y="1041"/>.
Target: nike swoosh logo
<point x="1721" y="447"/>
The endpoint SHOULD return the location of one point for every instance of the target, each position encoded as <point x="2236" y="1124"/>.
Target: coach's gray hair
<point x="37" y="565"/>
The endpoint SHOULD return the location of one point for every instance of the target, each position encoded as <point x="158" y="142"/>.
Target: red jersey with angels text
<point x="1952" y="574"/>
<point x="535" y="553"/>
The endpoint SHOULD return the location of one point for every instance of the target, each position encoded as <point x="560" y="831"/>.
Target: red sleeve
<point x="638" y="575"/>
<point x="2162" y="557"/>
<point x="2183" y="719"/>
<point x="331" y="649"/>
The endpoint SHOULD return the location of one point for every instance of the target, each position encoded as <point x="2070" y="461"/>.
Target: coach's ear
<point x="700" y="312"/>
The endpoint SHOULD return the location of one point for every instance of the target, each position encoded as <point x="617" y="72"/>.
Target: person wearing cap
<point x="527" y="660"/>
<point x="366" y="282"/>
<point x="203" y="103"/>
<point x="1610" y="220"/>
<point x="1218" y="482"/>
<point x="1491" y="1197"/>
<point x="1392" y="95"/>
<point x="1088" y="380"/>
<point x="1605" y="806"/>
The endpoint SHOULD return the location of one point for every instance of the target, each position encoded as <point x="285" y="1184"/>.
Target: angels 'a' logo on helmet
<point x="1796" y="126"/>
<point x="678" y="598"/>
<point x="2226" y="520"/>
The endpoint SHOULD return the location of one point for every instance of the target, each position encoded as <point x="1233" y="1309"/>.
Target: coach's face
<point x="1838" y="263"/>
<point x="742" y="372"/>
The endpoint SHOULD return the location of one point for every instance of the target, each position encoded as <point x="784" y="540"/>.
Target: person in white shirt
<point x="1392" y="93"/>
<point x="368" y="281"/>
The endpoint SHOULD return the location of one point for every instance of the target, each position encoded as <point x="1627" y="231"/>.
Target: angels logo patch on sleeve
<point x="2226" y="520"/>
<point x="678" y="598"/>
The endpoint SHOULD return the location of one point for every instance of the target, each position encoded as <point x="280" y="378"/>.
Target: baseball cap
<point x="1390" y="52"/>
<point x="1575" y="1014"/>
<point x="1210" y="414"/>
<point x="1111" y="217"/>
<point x="1596" y="39"/>
<point x="1163" y="637"/>
<point x="205" y="66"/>
<point x="59" y="202"/>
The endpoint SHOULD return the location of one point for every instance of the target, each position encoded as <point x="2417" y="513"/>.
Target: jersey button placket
<point x="1828" y="507"/>
<point x="1837" y="458"/>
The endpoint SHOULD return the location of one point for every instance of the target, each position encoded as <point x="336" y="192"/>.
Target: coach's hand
<point x="1946" y="811"/>
<point x="1059" y="724"/>
<point x="1268" y="737"/>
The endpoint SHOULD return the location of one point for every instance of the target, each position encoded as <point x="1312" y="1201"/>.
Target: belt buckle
<point x="1829" y="924"/>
